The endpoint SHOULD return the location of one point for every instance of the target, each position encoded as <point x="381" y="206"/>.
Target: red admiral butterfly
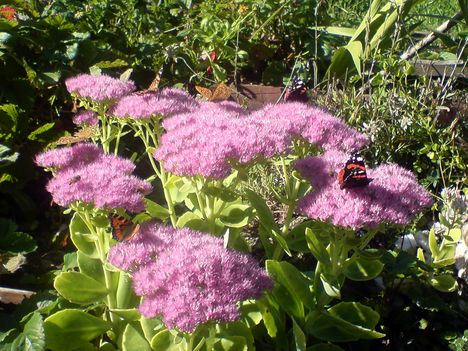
<point x="297" y="91"/>
<point x="123" y="229"/>
<point x="354" y="173"/>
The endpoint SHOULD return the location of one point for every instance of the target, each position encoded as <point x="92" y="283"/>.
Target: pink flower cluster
<point x="165" y="102"/>
<point x="84" y="173"/>
<point x="393" y="196"/>
<point x="187" y="277"/>
<point x="98" y="88"/>
<point x="210" y="139"/>
<point x="85" y="118"/>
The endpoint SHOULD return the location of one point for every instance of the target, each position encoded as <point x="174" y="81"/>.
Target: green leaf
<point x="268" y="314"/>
<point x="236" y="215"/>
<point x="111" y="64"/>
<point x="220" y="192"/>
<point x="251" y="313"/>
<point x="165" y="341"/>
<point x="444" y="282"/>
<point x="79" y="288"/>
<point x="126" y="298"/>
<point x="341" y="31"/>
<point x="446" y="251"/>
<point x="7" y="156"/>
<point x="316" y="247"/>
<point x="433" y="243"/>
<point x="356" y="52"/>
<point x="16" y="242"/>
<point x="34" y="333"/>
<point x="346" y="321"/>
<point x="42" y="134"/>
<point x="227" y="330"/>
<point x="185" y="218"/>
<point x="70" y="261"/>
<point x="82" y="238"/>
<point x="299" y="337"/>
<point x="90" y="266"/>
<point x="130" y="314"/>
<point x="331" y="285"/>
<point x="293" y="288"/>
<point x="363" y="268"/>
<point x="230" y="343"/>
<point x="281" y="241"/>
<point x="72" y="330"/>
<point x="296" y="238"/>
<point x="156" y="210"/>
<point x="263" y="211"/>
<point x="134" y="338"/>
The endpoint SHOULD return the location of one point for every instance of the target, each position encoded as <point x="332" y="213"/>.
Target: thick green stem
<point x="168" y="197"/>
<point x="292" y="202"/>
<point x="159" y="171"/>
<point x="100" y="247"/>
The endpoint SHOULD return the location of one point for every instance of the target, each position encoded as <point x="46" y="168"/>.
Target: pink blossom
<point x="85" y="117"/>
<point x="69" y="156"/>
<point x="98" y="88"/>
<point x="192" y="279"/>
<point x="151" y="239"/>
<point x="393" y="196"/>
<point x="165" y="102"/>
<point x="210" y="140"/>
<point x="84" y="173"/>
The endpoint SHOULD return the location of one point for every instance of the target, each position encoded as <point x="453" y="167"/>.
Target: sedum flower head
<point x="191" y="278"/>
<point x="89" y="118"/>
<point x="84" y="173"/>
<point x="166" y="102"/>
<point x="211" y="139"/>
<point x="98" y="88"/>
<point x="393" y="196"/>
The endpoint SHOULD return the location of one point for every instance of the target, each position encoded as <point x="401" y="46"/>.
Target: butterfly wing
<point x="297" y="91"/>
<point x="205" y="92"/>
<point x="222" y="92"/>
<point x="354" y="173"/>
<point x="154" y="86"/>
<point x="82" y="135"/>
<point x="123" y="229"/>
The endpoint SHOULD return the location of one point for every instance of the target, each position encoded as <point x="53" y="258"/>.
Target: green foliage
<point x="412" y="115"/>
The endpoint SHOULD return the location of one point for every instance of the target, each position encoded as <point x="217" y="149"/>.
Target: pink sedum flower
<point x="85" y="118"/>
<point x="191" y="279"/>
<point x="211" y="139"/>
<point x="166" y="102"/>
<point x="84" y="173"/>
<point x="393" y="196"/>
<point x="98" y="88"/>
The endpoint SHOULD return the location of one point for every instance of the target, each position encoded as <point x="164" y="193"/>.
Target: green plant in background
<point x="410" y="113"/>
<point x="375" y="32"/>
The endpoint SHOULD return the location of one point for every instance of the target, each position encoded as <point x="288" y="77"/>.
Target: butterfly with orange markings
<point x="82" y="135"/>
<point x="220" y="93"/>
<point x="353" y="174"/>
<point x="154" y="86"/>
<point x="123" y="229"/>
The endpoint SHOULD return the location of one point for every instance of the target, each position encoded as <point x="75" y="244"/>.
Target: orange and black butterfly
<point x="154" y="86"/>
<point x="220" y="93"/>
<point x="123" y="229"/>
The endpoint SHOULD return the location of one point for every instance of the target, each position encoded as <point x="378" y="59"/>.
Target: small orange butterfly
<point x="123" y="229"/>
<point x="82" y="135"/>
<point x="154" y="86"/>
<point x="220" y="93"/>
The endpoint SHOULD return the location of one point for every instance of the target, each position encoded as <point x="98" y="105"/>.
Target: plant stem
<point x="99" y="243"/>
